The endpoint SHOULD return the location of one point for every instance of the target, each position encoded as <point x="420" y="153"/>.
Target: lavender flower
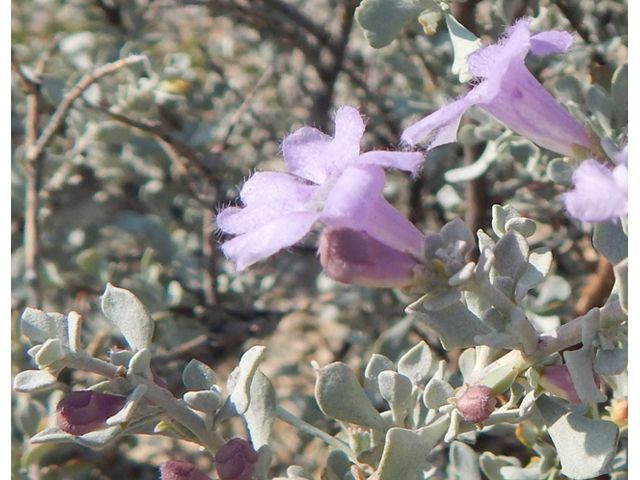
<point x="236" y="460"/>
<point x="353" y="257"/>
<point x="85" y="411"/>
<point x="511" y="94"/>
<point x="329" y="181"/>
<point x="600" y="193"/>
<point x="177" y="470"/>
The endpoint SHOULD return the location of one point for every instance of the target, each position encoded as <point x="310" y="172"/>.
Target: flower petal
<point x="553" y="41"/>
<point x="407" y="161"/>
<point x="304" y="153"/>
<point x="597" y="196"/>
<point x="349" y="128"/>
<point x="268" y="195"/>
<point x="352" y="195"/>
<point x="523" y="105"/>
<point x="442" y="124"/>
<point x="260" y="243"/>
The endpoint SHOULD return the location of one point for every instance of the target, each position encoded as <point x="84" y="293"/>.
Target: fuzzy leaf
<point x="586" y="447"/>
<point x="247" y="368"/>
<point x="464" y="42"/>
<point x="129" y="314"/>
<point x="610" y="240"/>
<point x="261" y="412"/>
<point x="340" y="396"/>
<point x="198" y="376"/>
<point x="33" y="381"/>
<point x="383" y="20"/>
<point x="463" y="462"/>
<point x="416" y="363"/>
<point x="39" y="326"/>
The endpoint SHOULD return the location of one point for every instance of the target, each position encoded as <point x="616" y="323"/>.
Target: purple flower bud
<point x="476" y="403"/>
<point x="85" y="411"/>
<point x="177" y="470"/>
<point x="556" y="380"/>
<point x="236" y="460"/>
<point x="354" y="257"/>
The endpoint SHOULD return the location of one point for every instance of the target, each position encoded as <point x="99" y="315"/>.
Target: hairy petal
<point x="598" y="195"/>
<point x="304" y="152"/>
<point x="407" y="161"/>
<point x="553" y="41"/>
<point x="262" y="242"/>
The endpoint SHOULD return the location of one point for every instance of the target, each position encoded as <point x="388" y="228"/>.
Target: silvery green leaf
<point x="500" y="214"/>
<point x="569" y="89"/>
<point x="600" y="105"/>
<point x="198" y="376"/>
<point x="524" y="226"/>
<point x="383" y="20"/>
<point x="207" y="401"/>
<point x="610" y="240"/>
<point x="491" y="464"/>
<point x="28" y="414"/>
<point x="467" y="363"/>
<point x="437" y="393"/>
<point x="100" y="438"/>
<point x="464" y="42"/>
<point x="338" y="462"/>
<point x="405" y="451"/>
<point x="477" y="168"/>
<point x="544" y="323"/>
<point x="247" y="367"/>
<point x="129" y="314"/>
<point x="621" y="287"/>
<point x="536" y="270"/>
<point x="261" y="413"/>
<point x="74" y="324"/>
<point x="456" y="326"/>
<point x="484" y="241"/>
<point x="129" y="408"/>
<point x="586" y="447"/>
<point x="340" y="396"/>
<point x="456" y="230"/>
<point x="264" y="462"/>
<point x="610" y="361"/>
<point x="517" y="473"/>
<point x="120" y="357"/>
<point x="454" y="425"/>
<point x="296" y="472"/>
<point x="377" y="363"/>
<point x="463" y="462"/>
<point x="440" y="299"/>
<point x="620" y="95"/>
<point x="33" y="381"/>
<point x="140" y="363"/>
<point x="512" y="253"/>
<point x="416" y="363"/>
<point x="395" y="388"/>
<point x="39" y="326"/>
<point x="52" y="435"/>
<point x="561" y="171"/>
<point x="554" y="288"/>
<point x="52" y="351"/>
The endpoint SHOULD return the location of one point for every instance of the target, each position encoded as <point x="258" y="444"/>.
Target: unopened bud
<point x="236" y="460"/>
<point x="177" y="470"/>
<point x="354" y="257"/>
<point x="85" y="411"/>
<point x="477" y="403"/>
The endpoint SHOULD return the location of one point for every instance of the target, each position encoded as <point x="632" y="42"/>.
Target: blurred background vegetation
<point x="126" y="185"/>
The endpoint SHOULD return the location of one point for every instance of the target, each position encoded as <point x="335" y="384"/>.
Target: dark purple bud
<point x="354" y="257"/>
<point x="476" y="403"/>
<point x="177" y="470"/>
<point x="236" y="460"/>
<point x="85" y="411"/>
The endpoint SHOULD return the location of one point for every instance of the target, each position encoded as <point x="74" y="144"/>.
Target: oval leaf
<point x="129" y="314"/>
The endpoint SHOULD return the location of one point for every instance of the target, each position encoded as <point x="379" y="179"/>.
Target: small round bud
<point x="177" y="470"/>
<point x="85" y="411"/>
<point x="236" y="460"/>
<point x="476" y="403"/>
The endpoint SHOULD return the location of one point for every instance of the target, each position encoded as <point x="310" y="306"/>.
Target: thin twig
<point x="65" y="105"/>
